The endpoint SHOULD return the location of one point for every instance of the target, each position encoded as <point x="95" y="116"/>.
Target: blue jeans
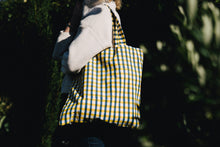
<point x="79" y="142"/>
<point x="91" y="142"/>
<point x="97" y="134"/>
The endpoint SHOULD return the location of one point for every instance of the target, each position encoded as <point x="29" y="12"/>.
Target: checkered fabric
<point x="109" y="87"/>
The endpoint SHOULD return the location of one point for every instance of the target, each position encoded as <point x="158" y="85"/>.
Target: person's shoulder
<point x="99" y="10"/>
<point x="105" y="12"/>
<point x="104" y="7"/>
<point x="97" y="14"/>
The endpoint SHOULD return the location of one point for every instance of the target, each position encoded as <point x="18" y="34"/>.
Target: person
<point x="75" y="46"/>
<point x="61" y="48"/>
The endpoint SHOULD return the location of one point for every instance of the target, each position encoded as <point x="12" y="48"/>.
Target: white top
<point x="94" y="35"/>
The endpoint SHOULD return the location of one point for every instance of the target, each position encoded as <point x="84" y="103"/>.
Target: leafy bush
<point x="181" y="96"/>
<point x="181" y="80"/>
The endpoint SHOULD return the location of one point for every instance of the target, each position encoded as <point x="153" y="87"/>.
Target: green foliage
<point x="53" y="105"/>
<point x="5" y="106"/>
<point x="5" y="118"/>
<point x="181" y="79"/>
<point x="28" y="26"/>
<point x="185" y="78"/>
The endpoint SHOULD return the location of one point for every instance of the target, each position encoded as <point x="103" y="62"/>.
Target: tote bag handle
<point x="118" y="33"/>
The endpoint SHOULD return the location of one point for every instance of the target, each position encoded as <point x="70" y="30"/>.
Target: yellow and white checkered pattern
<point x="109" y="87"/>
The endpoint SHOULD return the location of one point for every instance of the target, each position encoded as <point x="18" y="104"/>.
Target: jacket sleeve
<point x="94" y="35"/>
<point x="62" y="44"/>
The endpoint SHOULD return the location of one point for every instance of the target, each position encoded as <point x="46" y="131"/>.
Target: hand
<point x="67" y="29"/>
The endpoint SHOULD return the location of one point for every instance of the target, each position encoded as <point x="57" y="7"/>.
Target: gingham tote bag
<point x="109" y="87"/>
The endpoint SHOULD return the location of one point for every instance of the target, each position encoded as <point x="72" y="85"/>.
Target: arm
<point x="66" y="36"/>
<point x="94" y="35"/>
<point x="61" y="45"/>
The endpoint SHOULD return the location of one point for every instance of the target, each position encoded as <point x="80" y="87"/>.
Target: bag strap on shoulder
<point x="118" y="33"/>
